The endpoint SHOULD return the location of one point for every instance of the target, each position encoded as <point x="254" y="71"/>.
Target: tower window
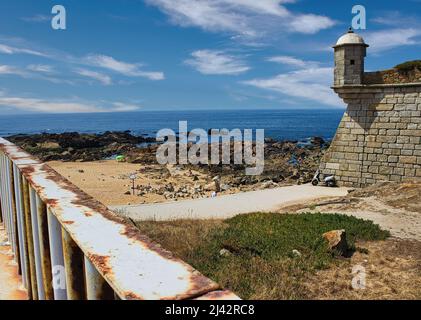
<point x="352" y="62"/>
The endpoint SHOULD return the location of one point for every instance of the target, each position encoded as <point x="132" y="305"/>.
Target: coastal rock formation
<point x="74" y="146"/>
<point x="286" y="162"/>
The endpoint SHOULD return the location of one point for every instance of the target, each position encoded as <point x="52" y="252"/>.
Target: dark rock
<point x="318" y="141"/>
<point x="336" y="240"/>
<point x="74" y="146"/>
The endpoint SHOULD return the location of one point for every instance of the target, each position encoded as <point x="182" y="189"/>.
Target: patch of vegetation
<point x="409" y="66"/>
<point x="257" y="259"/>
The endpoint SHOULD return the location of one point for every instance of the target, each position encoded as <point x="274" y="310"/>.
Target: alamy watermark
<point x="359" y="22"/>
<point x="59" y="277"/>
<point x="59" y="20"/>
<point x="359" y="280"/>
<point x="198" y="147"/>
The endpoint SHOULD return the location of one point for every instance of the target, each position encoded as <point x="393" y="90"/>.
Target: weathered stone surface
<point x="336" y="240"/>
<point x="383" y="107"/>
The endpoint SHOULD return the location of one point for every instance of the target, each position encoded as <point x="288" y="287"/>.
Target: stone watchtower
<point x="379" y="137"/>
<point x="350" y="52"/>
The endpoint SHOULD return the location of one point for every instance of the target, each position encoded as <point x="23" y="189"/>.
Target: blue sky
<point x="128" y="55"/>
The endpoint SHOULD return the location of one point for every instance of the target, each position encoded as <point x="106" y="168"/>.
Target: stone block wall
<point x="379" y="137"/>
<point x="349" y="65"/>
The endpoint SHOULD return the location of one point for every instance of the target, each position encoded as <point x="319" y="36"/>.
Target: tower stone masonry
<point x="379" y="137"/>
<point x="350" y="52"/>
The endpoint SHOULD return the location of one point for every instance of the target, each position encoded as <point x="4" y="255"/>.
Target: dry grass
<point x="403" y="195"/>
<point x="181" y="237"/>
<point x="393" y="272"/>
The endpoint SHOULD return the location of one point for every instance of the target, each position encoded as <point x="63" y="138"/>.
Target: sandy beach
<point x="109" y="182"/>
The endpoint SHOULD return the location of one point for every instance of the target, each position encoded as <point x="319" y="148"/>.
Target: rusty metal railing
<point x="67" y="245"/>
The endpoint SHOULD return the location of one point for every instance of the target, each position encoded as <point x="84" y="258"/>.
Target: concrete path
<point x="10" y="280"/>
<point x="227" y="206"/>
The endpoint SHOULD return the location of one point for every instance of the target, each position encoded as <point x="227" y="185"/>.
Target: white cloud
<point x="216" y="63"/>
<point x="11" y="70"/>
<point x="96" y="60"/>
<point x="312" y="84"/>
<point x="13" y="50"/>
<point x="205" y="14"/>
<point x="42" y="68"/>
<point x="127" y="69"/>
<point x="396" y="18"/>
<point x="247" y="18"/>
<point x="310" y="23"/>
<point x="124" y="107"/>
<point x="51" y="106"/>
<point x="42" y="72"/>
<point x="392" y="38"/>
<point x="292" y="61"/>
<point x="103" y="78"/>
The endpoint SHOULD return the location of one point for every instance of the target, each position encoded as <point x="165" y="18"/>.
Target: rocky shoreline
<point x="286" y="162"/>
<point x="80" y="147"/>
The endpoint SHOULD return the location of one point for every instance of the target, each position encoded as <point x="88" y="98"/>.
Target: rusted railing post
<point x="14" y="216"/>
<point x="37" y="249"/>
<point x="73" y="264"/>
<point x="32" y="287"/>
<point x="2" y="205"/>
<point x="96" y="286"/>
<point x="20" y="223"/>
<point x="1" y="208"/>
<point x="9" y="209"/>
<point x="4" y="195"/>
<point x="57" y="259"/>
<point x="44" y="245"/>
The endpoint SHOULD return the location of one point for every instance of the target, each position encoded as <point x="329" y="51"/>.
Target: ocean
<point x="278" y="124"/>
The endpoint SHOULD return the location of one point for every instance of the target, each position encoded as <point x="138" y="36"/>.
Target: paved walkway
<point x="227" y="206"/>
<point x="10" y="281"/>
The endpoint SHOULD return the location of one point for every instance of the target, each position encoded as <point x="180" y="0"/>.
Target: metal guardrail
<point x="67" y="245"/>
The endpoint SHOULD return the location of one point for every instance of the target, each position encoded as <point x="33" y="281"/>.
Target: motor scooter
<point x="328" y="181"/>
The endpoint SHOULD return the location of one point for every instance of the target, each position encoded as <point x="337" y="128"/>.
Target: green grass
<point x="261" y="263"/>
<point x="409" y="66"/>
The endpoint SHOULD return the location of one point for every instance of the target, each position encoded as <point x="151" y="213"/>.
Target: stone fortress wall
<point x="379" y="137"/>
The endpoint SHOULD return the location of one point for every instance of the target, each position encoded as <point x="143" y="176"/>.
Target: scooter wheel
<point x="331" y="184"/>
<point x="314" y="182"/>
